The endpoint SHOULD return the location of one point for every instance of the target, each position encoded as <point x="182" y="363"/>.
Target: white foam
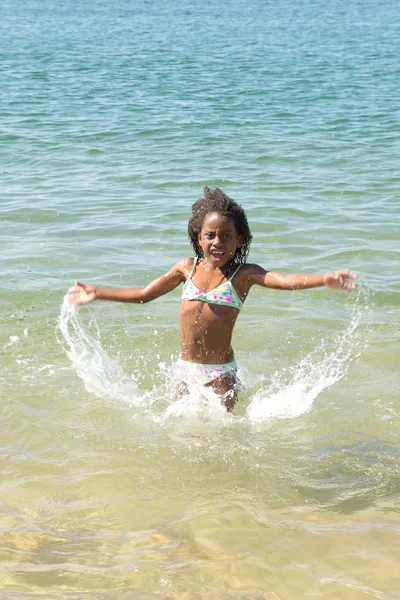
<point x="100" y="374"/>
<point x="292" y="392"/>
<point x="199" y="401"/>
<point x="14" y="339"/>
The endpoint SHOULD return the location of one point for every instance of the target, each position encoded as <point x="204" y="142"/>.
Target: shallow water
<point x="115" y="115"/>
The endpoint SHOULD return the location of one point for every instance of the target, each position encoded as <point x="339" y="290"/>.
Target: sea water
<point x="114" y="115"/>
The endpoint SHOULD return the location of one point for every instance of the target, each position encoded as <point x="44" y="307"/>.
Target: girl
<point x="216" y="284"/>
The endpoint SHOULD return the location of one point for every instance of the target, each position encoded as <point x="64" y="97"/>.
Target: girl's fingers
<point x="342" y="279"/>
<point x="78" y="287"/>
<point x="346" y="273"/>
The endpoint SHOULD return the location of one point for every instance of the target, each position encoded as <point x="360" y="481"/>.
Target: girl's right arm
<point x="83" y="293"/>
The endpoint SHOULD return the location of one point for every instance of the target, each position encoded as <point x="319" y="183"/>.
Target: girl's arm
<point x="83" y="293"/>
<point x="341" y="279"/>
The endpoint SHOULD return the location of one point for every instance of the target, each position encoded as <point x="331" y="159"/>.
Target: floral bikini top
<point x="224" y="294"/>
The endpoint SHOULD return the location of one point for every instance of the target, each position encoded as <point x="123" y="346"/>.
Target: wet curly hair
<point x="217" y="201"/>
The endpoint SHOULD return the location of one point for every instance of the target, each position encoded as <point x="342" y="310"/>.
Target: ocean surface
<point x="114" y="116"/>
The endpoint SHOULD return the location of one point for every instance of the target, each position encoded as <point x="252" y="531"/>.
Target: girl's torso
<point x="210" y="307"/>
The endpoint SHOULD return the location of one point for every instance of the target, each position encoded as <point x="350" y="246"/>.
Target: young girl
<point x="216" y="284"/>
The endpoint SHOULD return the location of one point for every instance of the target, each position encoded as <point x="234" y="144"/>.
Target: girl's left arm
<point x="341" y="279"/>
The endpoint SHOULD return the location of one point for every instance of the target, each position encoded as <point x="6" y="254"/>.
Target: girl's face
<point x="219" y="239"/>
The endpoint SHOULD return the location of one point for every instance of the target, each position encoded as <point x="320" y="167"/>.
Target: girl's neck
<point x="224" y="269"/>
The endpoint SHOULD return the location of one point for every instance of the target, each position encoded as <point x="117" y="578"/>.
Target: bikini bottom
<point x="191" y="372"/>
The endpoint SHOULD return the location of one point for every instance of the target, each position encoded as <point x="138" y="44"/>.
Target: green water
<point x="114" y="116"/>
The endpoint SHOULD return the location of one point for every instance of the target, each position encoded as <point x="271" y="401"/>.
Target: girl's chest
<point x="203" y="314"/>
<point x="208" y="283"/>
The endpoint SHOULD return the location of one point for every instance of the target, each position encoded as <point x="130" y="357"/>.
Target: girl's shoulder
<point x="185" y="265"/>
<point x="248" y="275"/>
<point x="249" y="269"/>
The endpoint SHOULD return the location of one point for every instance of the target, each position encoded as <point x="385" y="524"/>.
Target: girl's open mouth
<point x="218" y="255"/>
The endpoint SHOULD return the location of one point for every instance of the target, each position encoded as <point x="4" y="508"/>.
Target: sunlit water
<point x="114" y="116"/>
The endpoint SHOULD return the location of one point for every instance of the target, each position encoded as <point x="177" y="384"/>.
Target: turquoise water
<point x="114" y="116"/>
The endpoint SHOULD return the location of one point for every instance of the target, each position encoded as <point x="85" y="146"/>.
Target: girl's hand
<point x="342" y="279"/>
<point x="81" y="293"/>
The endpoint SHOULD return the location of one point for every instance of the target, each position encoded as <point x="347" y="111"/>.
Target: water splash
<point x="104" y="377"/>
<point x="293" y="392"/>
<point x="100" y="374"/>
<point x="290" y="394"/>
<point x="199" y="401"/>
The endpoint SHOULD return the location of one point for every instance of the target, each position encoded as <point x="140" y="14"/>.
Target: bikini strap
<point x="236" y="270"/>
<point x="193" y="269"/>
